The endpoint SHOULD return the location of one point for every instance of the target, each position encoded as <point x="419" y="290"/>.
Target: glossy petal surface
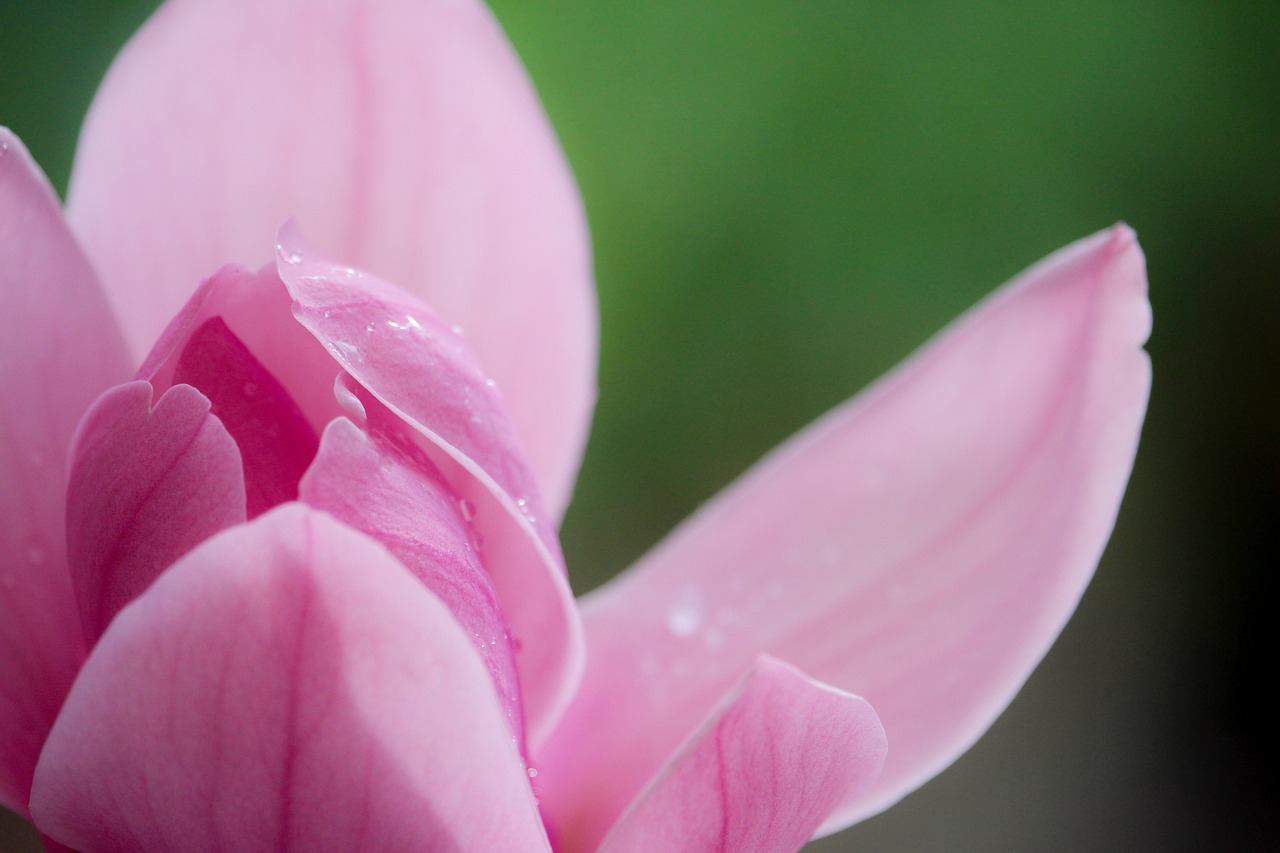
<point x="404" y="136"/>
<point x="345" y="712"/>
<point x="920" y="546"/>
<point x="413" y="368"/>
<point x="147" y="485"/>
<point x="762" y="773"/>
<point x="60" y="350"/>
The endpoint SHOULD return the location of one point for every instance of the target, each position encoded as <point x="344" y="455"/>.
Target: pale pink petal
<point x="285" y="686"/>
<point x="405" y="137"/>
<point x="411" y="364"/>
<point x="378" y="482"/>
<point x="761" y="774"/>
<point x="920" y="546"/>
<point x="147" y="485"/>
<point x="61" y="348"/>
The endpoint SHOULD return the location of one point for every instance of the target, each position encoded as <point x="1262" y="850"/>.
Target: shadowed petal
<point x="147" y="485"/>
<point x="413" y="368"/>
<point x="920" y="546"/>
<point x="274" y="437"/>
<point x="403" y="134"/>
<point x="287" y="686"/>
<point x="60" y="350"/>
<point x="762" y="773"/>
<point x="381" y="484"/>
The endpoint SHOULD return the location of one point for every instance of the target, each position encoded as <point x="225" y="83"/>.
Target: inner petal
<point x="276" y="441"/>
<point x="380" y="483"/>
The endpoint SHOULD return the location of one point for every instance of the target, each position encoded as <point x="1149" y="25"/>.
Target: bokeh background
<point x="788" y="196"/>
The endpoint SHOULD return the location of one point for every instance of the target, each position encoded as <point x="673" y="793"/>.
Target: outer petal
<point x="416" y="369"/>
<point x="762" y="773"/>
<point x="404" y="135"/>
<point x="147" y="485"/>
<point x="60" y="349"/>
<point x="921" y="546"/>
<point x="286" y="686"/>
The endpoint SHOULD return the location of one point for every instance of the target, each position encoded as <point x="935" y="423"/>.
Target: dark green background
<point x="788" y="196"/>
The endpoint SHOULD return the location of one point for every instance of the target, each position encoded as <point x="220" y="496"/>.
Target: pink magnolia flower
<point x="298" y="585"/>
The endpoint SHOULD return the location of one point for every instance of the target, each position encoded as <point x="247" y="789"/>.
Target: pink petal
<point x="285" y="686"/>
<point x="920" y="546"/>
<point x="273" y="435"/>
<point x="762" y="773"/>
<point x="380" y="484"/>
<point x="406" y="138"/>
<point x="415" y="369"/>
<point x="147" y="485"/>
<point x="61" y="349"/>
<point x="256" y="310"/>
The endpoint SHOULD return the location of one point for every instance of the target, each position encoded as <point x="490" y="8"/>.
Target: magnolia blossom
<point x="278" y="544"/>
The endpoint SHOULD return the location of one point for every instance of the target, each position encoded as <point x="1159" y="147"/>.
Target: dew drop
<point x="467" y="508"/>
<point x="533" y="772"/>
<point x="477" y="540"/>
<point x="684" y="617"/>
<point x="289" y="257"/>
<point x="369" y="327"/>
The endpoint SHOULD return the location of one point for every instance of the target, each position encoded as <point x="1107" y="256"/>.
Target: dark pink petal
<point x="380" y="483"/>
<point x="276" y="442"/>
<point x="256" y="310"/>
<point x="761" y="774"/>
<point x="414" y="368"/>
<point x="147" y="485"/>
<point x="60" y="349"/>
<point x="287" y="686"/>
<point x="405" y="137"/>
<point x="921" y="546"/>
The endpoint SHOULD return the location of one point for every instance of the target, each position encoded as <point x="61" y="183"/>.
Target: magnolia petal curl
<point x="761" y="774"/>
<point x="404" y="134"/>
<point x="413" y="368"/>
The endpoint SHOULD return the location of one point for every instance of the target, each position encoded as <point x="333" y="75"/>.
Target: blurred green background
<point x="788" y="196"/>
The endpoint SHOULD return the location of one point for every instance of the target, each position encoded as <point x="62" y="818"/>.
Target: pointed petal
<point x="920" y="546"/>
<point x="147" y="485"/>
<point x="762" y="773"/>
<point x="60" y="350"/>
<point x="413" y="368"/>
<point x="406" y="138"/>
<point x="285" y="686"/>
<point x="382" y="485"/>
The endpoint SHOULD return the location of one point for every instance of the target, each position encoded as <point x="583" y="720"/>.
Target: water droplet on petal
<point x="533" y="772"/>
<point x="684" y="616"/>
<point x="467" y="508"/>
